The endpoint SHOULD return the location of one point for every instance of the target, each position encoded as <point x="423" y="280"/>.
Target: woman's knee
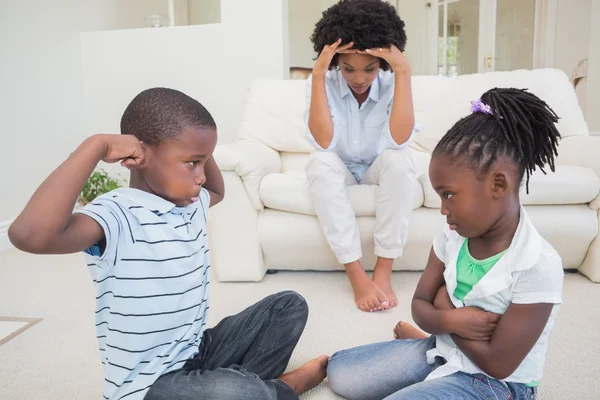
<point x="397" y="160"/>
<point x="322" y="161"/>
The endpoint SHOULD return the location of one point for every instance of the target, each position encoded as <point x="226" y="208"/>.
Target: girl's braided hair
<point x="511" y="122"/>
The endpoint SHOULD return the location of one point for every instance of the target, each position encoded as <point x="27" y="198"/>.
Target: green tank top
<point x="469" y="271"/>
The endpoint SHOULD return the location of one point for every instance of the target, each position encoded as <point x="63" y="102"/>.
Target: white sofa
<point x="267" y="222"/>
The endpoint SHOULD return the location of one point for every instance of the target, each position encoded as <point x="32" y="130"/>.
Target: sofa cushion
<point x="570" y="184"/>
<point x="439" y="102"/>
<point x="274" y="115"/>
<point x="289" y="192"/>
<point x="274" y="109"/>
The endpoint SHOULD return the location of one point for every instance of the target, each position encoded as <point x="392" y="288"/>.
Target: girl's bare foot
<point x="306" y="376"/>
<point x="404" y="330"/>
<point x="382" y="276"/>
<point x="367" y="295"/>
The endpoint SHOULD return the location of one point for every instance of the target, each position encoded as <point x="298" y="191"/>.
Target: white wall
<point x="593" y="81"/>
<point x="126" y="14"/>
<point x="43" y="106"/>
<point x="572" y="33"/>
<point x="204" y="12"/>
<point x="213" y="63"/>
<point x="302" y="16"/>
<point x="41" y="81"/>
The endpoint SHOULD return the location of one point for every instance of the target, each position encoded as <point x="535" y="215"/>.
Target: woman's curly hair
<point x="367" y="23"/>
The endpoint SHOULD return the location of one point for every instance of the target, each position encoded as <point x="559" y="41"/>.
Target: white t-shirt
<point x="529" y="272"/>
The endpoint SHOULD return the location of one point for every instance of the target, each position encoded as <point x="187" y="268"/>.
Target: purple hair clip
<point x="479" y="106"/>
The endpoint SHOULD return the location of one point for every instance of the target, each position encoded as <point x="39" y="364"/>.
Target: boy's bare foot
<point x="382" y="276"/>
<point x="306" y="376"/>
<point x="367" y="295"/>
<point x="404" y="330"/>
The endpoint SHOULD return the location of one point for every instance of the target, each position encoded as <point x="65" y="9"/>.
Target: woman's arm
<point x="320" y="122"/>
<point x="402" y="116"/>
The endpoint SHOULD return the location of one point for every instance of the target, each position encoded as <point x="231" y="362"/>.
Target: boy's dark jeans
<point x="242" y="356"/>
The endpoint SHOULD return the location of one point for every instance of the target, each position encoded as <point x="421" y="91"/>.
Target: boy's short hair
<point x="158" y="114"/>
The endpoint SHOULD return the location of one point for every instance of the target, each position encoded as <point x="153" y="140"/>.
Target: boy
<point x="146" y="248"/>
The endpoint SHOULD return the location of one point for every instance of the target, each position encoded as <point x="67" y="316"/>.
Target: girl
<point x="491" y="321"/>
<point x="360" y="118"/>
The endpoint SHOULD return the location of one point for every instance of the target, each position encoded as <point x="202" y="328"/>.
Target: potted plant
<point x="97" y="184"/>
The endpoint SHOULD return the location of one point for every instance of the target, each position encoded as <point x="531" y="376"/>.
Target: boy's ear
<point x="500" y="184"/>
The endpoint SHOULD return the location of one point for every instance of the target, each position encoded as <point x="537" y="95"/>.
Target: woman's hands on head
<point x="327" y="54"/>
<point x="392" y="55"/>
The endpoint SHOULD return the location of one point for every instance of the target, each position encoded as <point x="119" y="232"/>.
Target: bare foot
<point x="306" y="376"/>
<point x="404" y="330"/>
<point x="385" y="284"/>
<point x="382" y="276"/>
<point x="367" y="295"/>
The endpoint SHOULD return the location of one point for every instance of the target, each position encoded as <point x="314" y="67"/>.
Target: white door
<point x="487" y="35"/>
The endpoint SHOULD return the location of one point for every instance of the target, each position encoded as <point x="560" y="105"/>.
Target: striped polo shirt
<point x="151" y="287"/>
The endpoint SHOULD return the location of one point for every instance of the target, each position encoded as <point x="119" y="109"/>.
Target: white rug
<point x="58" y="359"/>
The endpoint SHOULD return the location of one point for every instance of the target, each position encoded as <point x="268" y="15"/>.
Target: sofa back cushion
<point x="439" y="102"/>
<point x="274" y="109"/>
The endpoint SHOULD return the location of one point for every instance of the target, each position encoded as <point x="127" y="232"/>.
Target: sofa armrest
<point x="251" y="161"/>
<point x="580" y="150"/>
<point x="583" y="151"/>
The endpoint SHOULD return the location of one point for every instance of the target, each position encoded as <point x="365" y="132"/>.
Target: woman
<point x="360" y="119"/>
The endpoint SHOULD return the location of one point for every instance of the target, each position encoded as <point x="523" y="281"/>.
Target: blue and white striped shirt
<point x="151" y="287"/>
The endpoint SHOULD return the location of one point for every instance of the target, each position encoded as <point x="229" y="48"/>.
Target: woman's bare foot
<point x="404" y="330"/>
<point x="367" y="295"/>
<point x="382" y="276"/>
<point x="306" y="376"/>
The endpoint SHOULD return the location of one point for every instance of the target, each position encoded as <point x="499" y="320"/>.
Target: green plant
<point x="98" y="183"/>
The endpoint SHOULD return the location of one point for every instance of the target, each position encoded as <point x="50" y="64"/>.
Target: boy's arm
<point x="214" y="182"/>
<point x="47" y="225"/>
<point x="514" y="337"/>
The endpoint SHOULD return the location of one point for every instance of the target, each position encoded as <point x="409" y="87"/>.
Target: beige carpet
<point x="57" y="358"/>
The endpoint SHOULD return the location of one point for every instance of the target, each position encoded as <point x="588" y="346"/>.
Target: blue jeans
<point x="242" y="356"/>
<point x="396" y="370"/>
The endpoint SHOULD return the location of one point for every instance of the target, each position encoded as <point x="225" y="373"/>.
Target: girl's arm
<point x="467" y="322"/>
<point x="47" y="225"/>
<point x="517" y="332"/>
<point x="424" y="312"/>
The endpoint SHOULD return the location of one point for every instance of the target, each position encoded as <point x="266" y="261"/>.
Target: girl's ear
<point x="501" y="183"/>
